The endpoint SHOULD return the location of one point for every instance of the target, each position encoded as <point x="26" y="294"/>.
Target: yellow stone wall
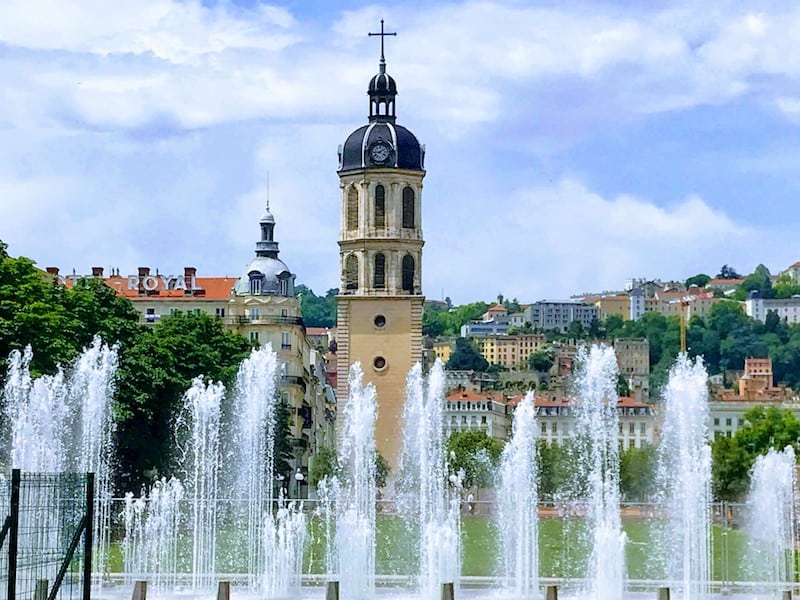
<point x="399" y="342"/>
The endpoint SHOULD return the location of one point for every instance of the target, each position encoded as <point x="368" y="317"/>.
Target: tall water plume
<point x="38" y="414"/>
<point x="63" y="422"/>
<point x="152" y="526"/>
<point x="198" y="443"/>
<point x="598" y="427"/>
<point x="353" y="559"/>
<point x="429" y="504"/>
<point x="252" y="455"/>
<point x="684" y="473"/>
<point x="91" y="389"/>
<point x="518" y="496"/>
<point x="275" y="530"/>
<point x="770" y="520"/>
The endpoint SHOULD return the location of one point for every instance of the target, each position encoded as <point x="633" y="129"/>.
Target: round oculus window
<point x="379" y="363"/>
<point x="380" y="321"/>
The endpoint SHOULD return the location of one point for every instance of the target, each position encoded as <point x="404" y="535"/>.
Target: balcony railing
<point x="265" y="320"/>
<point x="294" y="380"/>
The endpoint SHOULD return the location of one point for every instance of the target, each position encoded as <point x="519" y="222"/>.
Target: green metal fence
<point x="45" y="543"/>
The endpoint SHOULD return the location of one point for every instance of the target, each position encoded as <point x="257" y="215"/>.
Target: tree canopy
<point x="318" y="311"/>
<point x="733" y="457"/>
<point x="474" y="454"/>
<point x="466" y="357"/>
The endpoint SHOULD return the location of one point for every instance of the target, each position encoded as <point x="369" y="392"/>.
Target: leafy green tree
<point x="382" y="470"/>
<point x="465" y="357"/>
<point x="623" y="389"/>
<point x="152" y="377"/>
<point x="758" y="281"/>
<point x="727" y="272"/>
<point x="434" y="320"/>
<point x="541" y="360"/>
<point x="613" y="326"/>
<point x="325" y="463"/>
<point x="785" y="287"/>
<point x="555" y="468"/>
<point x="283" y="446"/>
<point x="700" y="280"/>
<point x="476" y="455"/>
<point x="732" y="458"/>
<point x="318" y="311"/>
<point x="56" y="321"/>
<point x="637" y="472"/>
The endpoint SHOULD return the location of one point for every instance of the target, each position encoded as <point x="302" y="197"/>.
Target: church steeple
<point x="382" y="89"/>
<point x="267" y="246"/>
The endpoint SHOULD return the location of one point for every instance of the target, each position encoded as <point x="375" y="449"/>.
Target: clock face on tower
<point x="379" y="152"/>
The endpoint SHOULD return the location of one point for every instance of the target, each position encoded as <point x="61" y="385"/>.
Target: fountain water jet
<point x="275" y="532"/>
<point x="684" y="473"/>
<point x="427" y="501"/>
<point x="598" y="427"/>
<point x="198" y="440"/>
<point x="61" y="423"/>
<point x="152" y="526"/>
<point x="770" y="520"/>
<point x="353" y="556"/>
<point x="518" y="518"/>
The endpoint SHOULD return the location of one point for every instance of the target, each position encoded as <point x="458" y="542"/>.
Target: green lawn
<point x="563" y="549"/>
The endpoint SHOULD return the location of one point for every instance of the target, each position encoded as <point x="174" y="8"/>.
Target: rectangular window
<point x="728" y="422"/>
<point x="544" y="427"/>
<point x="632" y="428"/>
<point x="554" y="428"/>
<point x="285" y="341"/>
<point x="642" y="428"/>
<point x="253" y="336"/>
<point x="220" y="312"/>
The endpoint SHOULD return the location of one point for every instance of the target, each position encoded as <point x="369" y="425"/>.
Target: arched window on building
<point x="408" y="274"/>
<point x="351" y="272"/>
<point x="380" y="206"/>
<point x="352" y="209"/>
<point x="408" y="208"/>
<point x="379" y="279"/>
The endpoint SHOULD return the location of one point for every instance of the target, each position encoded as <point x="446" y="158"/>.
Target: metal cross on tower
<point x="383" y="35"/>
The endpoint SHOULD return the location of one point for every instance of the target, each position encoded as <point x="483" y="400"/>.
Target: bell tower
<point x="379" y="306"/>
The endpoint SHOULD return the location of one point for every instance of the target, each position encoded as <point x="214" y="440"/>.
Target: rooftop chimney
<point x="143" y="272"/>
<point x="188" y="278"/>
<point x="52" y="270"/>
<point x="97" y="271"/>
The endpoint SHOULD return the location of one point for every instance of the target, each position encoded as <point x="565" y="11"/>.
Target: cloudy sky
<point x="570" y="145"/>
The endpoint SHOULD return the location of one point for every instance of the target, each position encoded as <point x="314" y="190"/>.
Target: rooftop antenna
<point x="267" y="189"/>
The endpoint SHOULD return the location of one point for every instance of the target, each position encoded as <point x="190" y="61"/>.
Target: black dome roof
<point x="405" y="150"/>
<point x="382" y="83"/>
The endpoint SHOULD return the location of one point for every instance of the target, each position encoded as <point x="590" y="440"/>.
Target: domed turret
<point x="382" y="143"/>
<point x="266" y="274"/>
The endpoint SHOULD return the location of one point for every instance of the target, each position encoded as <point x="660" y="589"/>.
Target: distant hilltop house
<point x="755" y="387"/>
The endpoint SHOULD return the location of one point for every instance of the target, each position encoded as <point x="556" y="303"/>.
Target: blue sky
<point x="570" y="145"/>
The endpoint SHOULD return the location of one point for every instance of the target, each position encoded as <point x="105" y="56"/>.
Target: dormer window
<point x="255" y="285"/>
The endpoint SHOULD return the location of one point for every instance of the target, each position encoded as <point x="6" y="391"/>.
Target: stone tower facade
<point x="379" y="320"/>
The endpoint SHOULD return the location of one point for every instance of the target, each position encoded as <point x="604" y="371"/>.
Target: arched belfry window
<point x="379" y="279"/>
<point x="408" y="208"/>
<point x="351" y="272"/>
<point x="380" y="206"/>
<point x="408" y="274"/>
<point x="352" y="209"/>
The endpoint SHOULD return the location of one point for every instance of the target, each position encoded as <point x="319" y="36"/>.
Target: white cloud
<point x="562" y="239"/>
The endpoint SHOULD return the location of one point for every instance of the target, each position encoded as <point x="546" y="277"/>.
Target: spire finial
<point x="267" y="189"/>
<point x="382" y="34"/>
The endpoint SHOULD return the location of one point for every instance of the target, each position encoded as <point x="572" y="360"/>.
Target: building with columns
<point x="379" y="306"/>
